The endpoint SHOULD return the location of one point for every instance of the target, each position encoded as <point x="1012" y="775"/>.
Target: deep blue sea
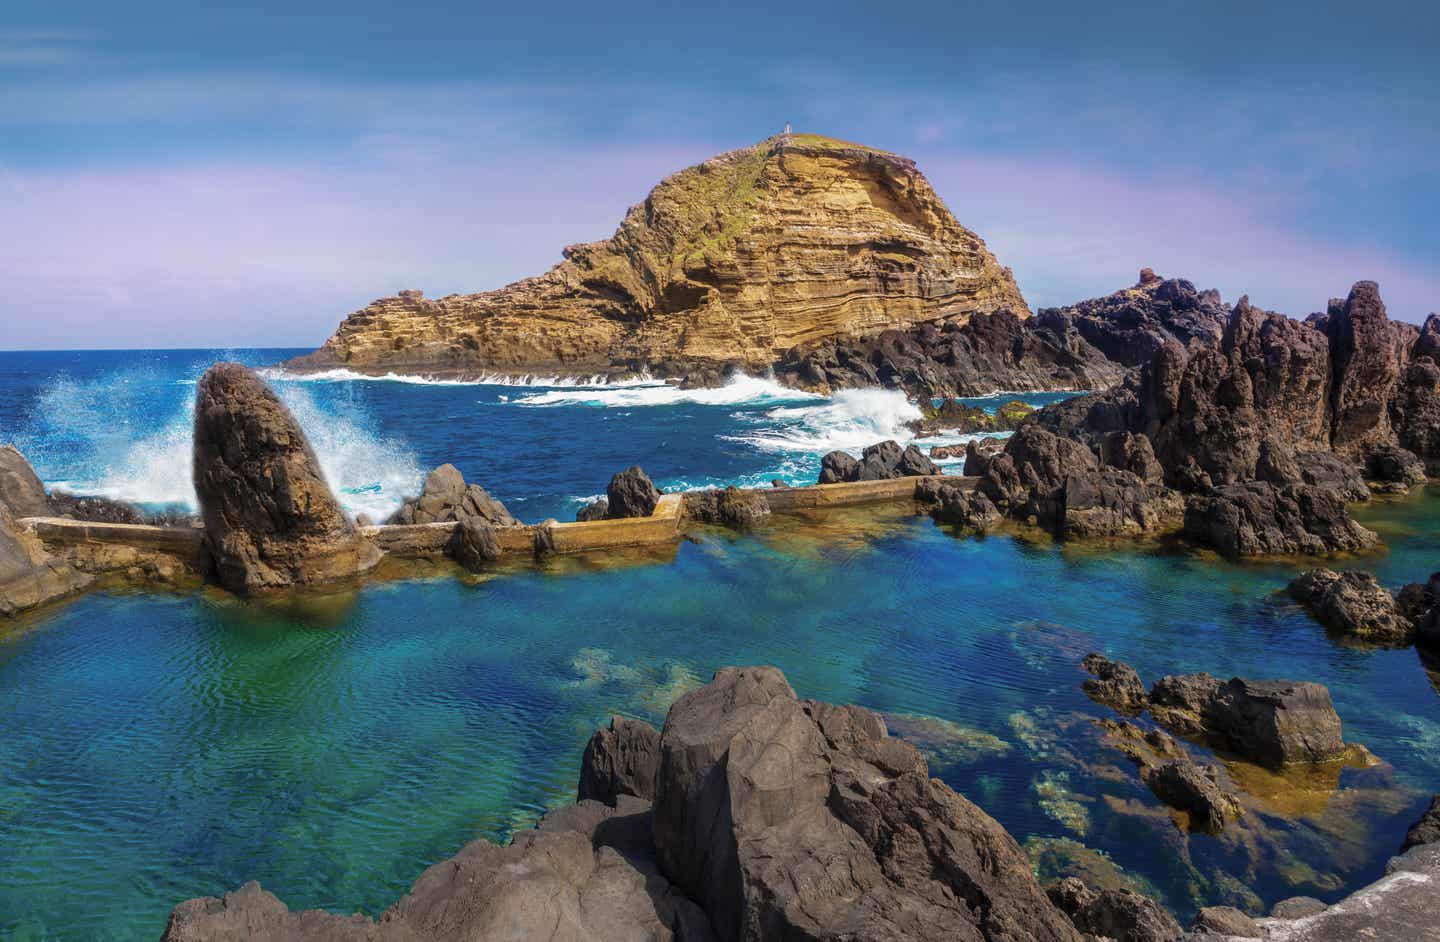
<point x="157" y="747"/>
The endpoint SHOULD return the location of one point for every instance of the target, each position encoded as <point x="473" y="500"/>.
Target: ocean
<point x="158" y="747"/>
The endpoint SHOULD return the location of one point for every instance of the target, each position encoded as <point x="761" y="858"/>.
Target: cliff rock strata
<point x="731" y="262"/>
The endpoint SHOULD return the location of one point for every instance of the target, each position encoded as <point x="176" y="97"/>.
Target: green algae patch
<point x="945" y="743"/>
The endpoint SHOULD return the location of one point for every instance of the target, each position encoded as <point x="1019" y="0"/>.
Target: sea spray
<point x="741" y="389"/>
<point x="343" y="375"/>
<point x="128" y="435"/>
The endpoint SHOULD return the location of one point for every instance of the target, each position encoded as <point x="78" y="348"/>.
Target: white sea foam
<point x="343" y="375"/>
<point x="851" y="420"/>
<point x="109" y="455"/>
<point x="740" y="389"/>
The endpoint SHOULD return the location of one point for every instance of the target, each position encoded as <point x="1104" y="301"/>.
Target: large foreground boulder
<point x="774" y="818"/>
<point x="630" y="493"/>
<point x="30" y="576"/>
<point x="20" y="487"/>
<point x="271" y="521"/>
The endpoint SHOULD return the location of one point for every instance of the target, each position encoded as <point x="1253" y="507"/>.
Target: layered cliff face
<point x="731" y="262"/>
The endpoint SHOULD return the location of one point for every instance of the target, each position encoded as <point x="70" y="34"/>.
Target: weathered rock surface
<point x="774" y="818"/>
<point x="1259" y="519"/>
<point x="630" y="494"/>
<point x="1167" y="768"/>
<point x="1115" y="684"/>
<point x="20" y="487"/>
<point x="954" y="416"/>
<point x="731" y="262"/>
<point x="734" y="507"/>
<point x="1426" y="830"/>
<point x="1119" y="914"/>
<point x="446" y="497"/>
<point x="270" y="518"/>
<point x="1353" y="603"/>
<point x="595" y="510"/>
<point x="1273" y="723"/>
<point x="473" y="544"/>
<point x="620" y="759"/>
<point x="1225" y="921"/>
<point x="879" y="462"/>
<point x="30" y="576"/>
<point x="957" y="504"/>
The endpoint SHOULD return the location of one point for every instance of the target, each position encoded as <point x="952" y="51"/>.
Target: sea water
<point x="159" y="747"/>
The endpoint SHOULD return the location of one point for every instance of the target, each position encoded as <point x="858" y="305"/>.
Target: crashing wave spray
<point x="740" y="389"/>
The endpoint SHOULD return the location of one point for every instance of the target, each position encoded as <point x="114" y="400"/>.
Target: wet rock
<point x="1115" y="685"/>
<point x="1204" y="793"/>
<point x="913" y="463"/>
<point x="946" y="452"/>
<point x="1420" y="603"/>
<point x="595" y="510"/>
<point x="1297" y="907"/>
<point x="29" y="575"/>
<point x="473" y="544"/>
<point x="838" y="466"/>
<point x="879" y="462"/>
<point x="94" y="509"/>
<point x="446" y="497"/>
<point x="1225" y="920"/>
<point x="1122" y="915"/>
<point x="1426" y="830"/>
<point x="790" y="819"/>
<point x="954" y="416"/>
<point x="1112" y="502"/>
<point x="1273" y="723"/>
<point x="545" y="538"/>
<point x="270" y="518"/>
<point x="620" y="759"/>
<point x="978" y="454"/>
<point x="1396" y="465"/>
<point x="1258" y="519"/>
<point x="20" y="487"/>
<point x="958" y="505"/>
<point x="733" y="507"/>
<point x="1353" y="603"/>
<point x="631" y="494"/>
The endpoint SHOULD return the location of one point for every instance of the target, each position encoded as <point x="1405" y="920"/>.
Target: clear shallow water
<point x="158" y="748"/>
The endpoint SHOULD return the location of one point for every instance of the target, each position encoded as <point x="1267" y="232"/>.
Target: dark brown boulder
<point x="595" y="510"/>
<point x="20" y="487"/>
<point x="1426" y="830"/>
<point x="270" y="518"/>
<point x="1122" y="915"/>
<point x="1203" y="792"/>
<point x="1395" y="465"/>
<point x="630" y="494"/>
<point x="956" y="504"/>
<point x="1416" y="405"/>
<point x="1367" y="370"/>
<point x="837" y="467"/>
<point x="1274" y="723"/>
<point x="734" y="507"/>
<point x="474" y="544"/>
<point x="881" y="461"/>
<point x="620" y="759"/>
<point x="1259" y="519"/>
<point x="1353" y="603"/>
<point x="446" y="497"/>
<point x="1114" y="684"/>
<point x="798" y="820"/>
<point x="978" y="453"/>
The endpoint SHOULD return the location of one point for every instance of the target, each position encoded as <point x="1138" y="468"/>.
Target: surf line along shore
<point x="269" y="520"/>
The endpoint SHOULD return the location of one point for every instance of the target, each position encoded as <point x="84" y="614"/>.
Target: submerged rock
<point x="270" y="518"/>
<point x="446" y="497"/>
<point x="630" y="494"/>
<point x="1115" y="685"/>
<point x="1119" y="914"/>
<point x="20" y="488"/>
<point x="1204" y="793"/>
<point x="1354" y="603"/>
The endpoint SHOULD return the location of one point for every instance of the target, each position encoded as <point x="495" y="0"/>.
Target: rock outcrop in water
<point x="270" y="518"/>
<point x="630" y="493"/>
<point x="773" y="818"/>
<point x="446" y="497"/>
<point x="1353" y="603"/>
<point x="881" y="461"/>
<point x="729" y="263"/>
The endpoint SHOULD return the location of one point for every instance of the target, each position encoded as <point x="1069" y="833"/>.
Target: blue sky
<point x="175" y="176"/>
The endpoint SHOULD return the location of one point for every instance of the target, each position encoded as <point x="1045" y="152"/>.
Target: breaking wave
<point x="739" y="390"/>
<point x="342" y="375"/>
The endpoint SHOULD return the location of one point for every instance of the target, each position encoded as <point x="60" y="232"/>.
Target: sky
<point x="175" y="174"/>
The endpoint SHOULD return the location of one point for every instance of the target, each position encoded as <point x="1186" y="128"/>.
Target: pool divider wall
<point x="429" y="539"/>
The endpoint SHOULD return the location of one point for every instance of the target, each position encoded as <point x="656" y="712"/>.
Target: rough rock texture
<point x="584" y="873"/>
<point x="954" y="416"/>
<point x="879" y="462"/>
<point x="473" y="544"/>
<point x="270" y="518"/>
<point x="447" y="497"/>
<point x="731" y="507"/>
<point x="790" y="819"/>
<point x="29" y="576"/>
<point x="1225" y="921"/>
<point x="20" y="487"/>
<point x="958" y="505"/>
<point x="1353" y="603"/>
<point x="1115" y="685"/>
<point x="630" y="494"/>
<point x="620" y="759"/>
<point x="595" y="510"/>
<point x="1259" y="519"/>
<point x="1366" y="371"/>
<point x="1059" y="483"/>
<point x="780" y="818"/>
<point x="733" y="261"/>
<point x="1090" y="345"/>
<point x="1204" y="792"/>
<point x="1119" y="914"/>
<point x="1420" y="603"/>
<point x="1426" y="830"/>
<point x="1273" y="723"/>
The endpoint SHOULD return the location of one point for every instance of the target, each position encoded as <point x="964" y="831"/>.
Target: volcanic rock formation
<point x="732" y="262"/>
<point x="270" y="518"/>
